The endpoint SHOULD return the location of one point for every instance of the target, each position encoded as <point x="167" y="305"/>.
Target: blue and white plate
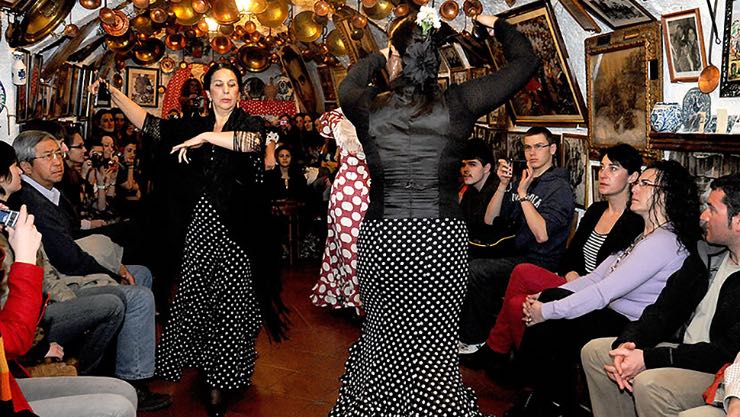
<point x="2" y="97"/>
<point x="695" y="102"/>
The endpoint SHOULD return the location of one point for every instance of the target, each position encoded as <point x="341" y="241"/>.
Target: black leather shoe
<point x="151" y="401"/>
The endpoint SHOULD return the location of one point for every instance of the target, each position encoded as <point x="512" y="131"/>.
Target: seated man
<point x="539" y="207"/>
<point x="636" y="374"/>
<point x="479" y="187"/>
<point x="40" y="159"/>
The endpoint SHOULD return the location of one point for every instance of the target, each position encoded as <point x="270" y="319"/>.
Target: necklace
<point x="632" y="246"/>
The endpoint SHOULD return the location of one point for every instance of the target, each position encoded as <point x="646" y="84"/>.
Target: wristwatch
<point x="522" y="199"/>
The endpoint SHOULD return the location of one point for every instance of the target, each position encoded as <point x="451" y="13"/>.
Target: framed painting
<point x="34" y="104"/>
<point x="459" y="77"/>
<point x="619" y="13"/>
<point x="593" y="181"/>
<point x="574" y="156"/>
<point x="730" y="72"/>
<point x="337" y="75"/>
<point x="443" y="83"/>
<point x="514" y="145"/>
<point x="581" y="16"/>
<point x="141" y="86"/>
<point x="498" y="118"/>
<point x="684" y="44"/>
<point x="624" y="78"/>
<point x="356" y="48"/>
<point x="552" y="97"/>
<point x="497" y="140"/>
<point x="327" y="84"/>
<point x="454" y="57"/>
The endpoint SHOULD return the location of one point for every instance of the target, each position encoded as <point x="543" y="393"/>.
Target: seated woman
<point x="561" y="320"/>
<point x="287" y="181"/>
<point x="607" y="227"/>
<point x="102" y="176"/>
<point x="46" y="397"/>
<point x="128" y="190"/>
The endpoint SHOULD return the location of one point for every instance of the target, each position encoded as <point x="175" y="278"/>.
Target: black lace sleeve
<point x="474" y="98"/>
<point x="355" y="92"/>
<point x="152" y="127"/>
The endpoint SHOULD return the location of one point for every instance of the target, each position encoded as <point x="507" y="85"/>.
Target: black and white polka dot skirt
<point x="215" y="317"/>
<point x="413" y="276"/>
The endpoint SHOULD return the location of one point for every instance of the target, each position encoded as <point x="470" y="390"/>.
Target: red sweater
<point x="19" y="318"/>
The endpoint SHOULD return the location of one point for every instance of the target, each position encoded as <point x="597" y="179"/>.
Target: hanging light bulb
<point x="212" y="24"/>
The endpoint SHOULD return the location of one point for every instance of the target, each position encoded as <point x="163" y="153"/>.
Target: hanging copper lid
<point x="253" y="58"/>
<point x="148" y="52"/>
<point x="43" y="17"/>
<point x="119" y="27"/>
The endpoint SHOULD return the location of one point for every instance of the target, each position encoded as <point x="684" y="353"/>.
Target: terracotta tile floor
<point x="299" y="377"/>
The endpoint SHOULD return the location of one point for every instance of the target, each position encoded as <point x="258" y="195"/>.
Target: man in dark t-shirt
<point x="479" y="183"/>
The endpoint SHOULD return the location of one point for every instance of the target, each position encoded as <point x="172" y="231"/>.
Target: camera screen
<point x="8" y="217"/>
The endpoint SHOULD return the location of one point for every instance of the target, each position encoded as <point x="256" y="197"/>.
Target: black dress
<point x="412" y="245"/>
<point x="228" y="281"/>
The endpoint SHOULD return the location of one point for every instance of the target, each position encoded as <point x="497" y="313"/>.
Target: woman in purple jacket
<point x="561" y="320"/>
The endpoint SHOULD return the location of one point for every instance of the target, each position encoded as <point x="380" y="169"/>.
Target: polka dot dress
<point x="413" y="275"/>
<point x="348" y="202"/>
<point x="215" y="316"/>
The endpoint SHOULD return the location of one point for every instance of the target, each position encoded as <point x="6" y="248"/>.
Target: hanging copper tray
<point x="167" y="65"/>
<point x="41" y="20"/>
<point x="149" y="52"/>
<point x="254" y="59"/>
<point x="119" y="27"/>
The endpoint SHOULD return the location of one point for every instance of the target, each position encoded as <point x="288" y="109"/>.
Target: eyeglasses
<point x="647" y="183"/>
<point x="80" y="146"/>
<point x="536" y="147"/>
<point x="51" y="156"/>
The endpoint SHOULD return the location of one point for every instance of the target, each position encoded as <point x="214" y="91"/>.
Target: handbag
<point x="493" y="241"/>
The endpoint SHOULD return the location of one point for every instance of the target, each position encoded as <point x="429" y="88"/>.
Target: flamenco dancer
<point x="229" y="281"/>
<point x="412" y="245"/>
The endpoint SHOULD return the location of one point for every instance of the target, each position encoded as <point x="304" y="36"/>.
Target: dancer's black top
<point x="400" y="143"/>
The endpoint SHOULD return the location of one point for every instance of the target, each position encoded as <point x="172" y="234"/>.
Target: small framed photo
<point x="141" y="86"/>
<point x="459" y="77"/>
<point x="684" y="44"/>
<point x="574" y="154"/>
<point x="454" y="57"/>
<point x="619" y="13"/>
<point x="327" y="84"/>
<point x="515" y="145"/>
<point x="593" y="179"/>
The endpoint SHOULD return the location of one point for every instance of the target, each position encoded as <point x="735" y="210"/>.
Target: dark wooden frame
<point x="729" y="87"/>
<point x="581" y="199"/>
<point x="605" y="18"/>
<point x="665" y="23"/>
<point x="131" y="72"/>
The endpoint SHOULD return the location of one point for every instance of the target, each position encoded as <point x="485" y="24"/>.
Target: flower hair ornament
<point x="421" y="60"/>
<point x="427" y="19"/>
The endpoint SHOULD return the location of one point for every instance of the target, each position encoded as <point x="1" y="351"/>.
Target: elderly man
<point x="41" y="161"/>
<point x="637" y="375"/>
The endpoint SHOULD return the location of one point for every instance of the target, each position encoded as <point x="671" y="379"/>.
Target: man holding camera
<point x="538" y="210"/>
<point x="41" y="161"/>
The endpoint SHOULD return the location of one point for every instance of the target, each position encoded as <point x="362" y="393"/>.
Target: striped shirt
<point x="591" y="250"/>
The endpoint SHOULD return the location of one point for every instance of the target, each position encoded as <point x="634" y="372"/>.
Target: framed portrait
<point x="443" y="83"/>
<point x="514" y="145"/>
<point x="459" y="77"/>
<point x="624" y="78"/>
<point x="684" y="44"/>
<point x="497" y="140"/>
<point x="141" y="86"/>
<point x="552" y="97"/>
<point x="619" y="13"/>
<point x="498" y="118"/>
<point x="593" y="181"/>
<point x="730" y="72"/>
<point x="337" y="75"/>
<point x="327" y="83"/>
<point x="574" y="155"/>
<point x="35" y="101"/>
<point x="454" y="57"/>
<point x="22" y="92"/>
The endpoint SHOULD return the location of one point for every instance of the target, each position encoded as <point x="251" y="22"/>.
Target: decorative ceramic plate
<point x="167" y="65"/>
<point x="254" y="88"/>
<point x="2" y="97"/>
<point x="695" y="102"/>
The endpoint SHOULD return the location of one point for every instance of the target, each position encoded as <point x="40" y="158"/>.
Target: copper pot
<point x="120" y="25"/>
<point x="254" y="59"/>
<point x="120" y="43"/>
<point x="335" y="43"/>
<point x="359" y="21"/>
<point x="250" y="27"/>
<point x="225" y="11"/>
<point x="117" y="80"/>
<point x="357" y="34"/>
<point x="226" y="29"/>
<point x="158" y="15"/>
<point x="141" y="4"/>
<point x="167" y="65"/>
<point x="200" y="6"/>
<point x="175" y="41"/>
<point x="321" y="8"/>
<point x="369" y="3"/>
<point x="90" y="4"/>
<point x="143" y="24"/>
<point x="472" y="8"/>
<point x="107" y="16"/>
<point x="401" y="10"/>
<point x="221" y="44"/>
<point x="421" y="2"/>
<point x="449" y="10"/>
<point x="275" y="14"/>
<point x="305" y="28"/>
<point x="257" y="6"/>
<point x="379" y="11"/>
<point x="184" y="13"/>
<point x="71" y="30"/>
<point x="148" y="52"/>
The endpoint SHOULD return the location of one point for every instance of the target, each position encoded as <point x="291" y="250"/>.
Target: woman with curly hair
<point x="561" y="320"/>
<point x="412" y="245"/>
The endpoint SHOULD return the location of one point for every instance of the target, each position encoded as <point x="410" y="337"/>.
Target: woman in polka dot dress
<point x="412" y="247"/>
<point x="337" y="286"/>
<point x="229" y="281"/>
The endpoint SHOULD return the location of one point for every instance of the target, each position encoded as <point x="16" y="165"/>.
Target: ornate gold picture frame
<point x="624" y="79"/>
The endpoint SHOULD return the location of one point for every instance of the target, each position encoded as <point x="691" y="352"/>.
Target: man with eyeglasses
<point x="42" y="163"/>
<point x="662" y="364"/>
<point x="538" y="208"/>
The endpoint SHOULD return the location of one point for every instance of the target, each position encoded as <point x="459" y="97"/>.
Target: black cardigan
<point x="623" y="233"/>
<point x="666" y="320"/>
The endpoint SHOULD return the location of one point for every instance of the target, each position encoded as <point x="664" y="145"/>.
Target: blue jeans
<point x="79" y="396"/>
<point x="135" y="346"/>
